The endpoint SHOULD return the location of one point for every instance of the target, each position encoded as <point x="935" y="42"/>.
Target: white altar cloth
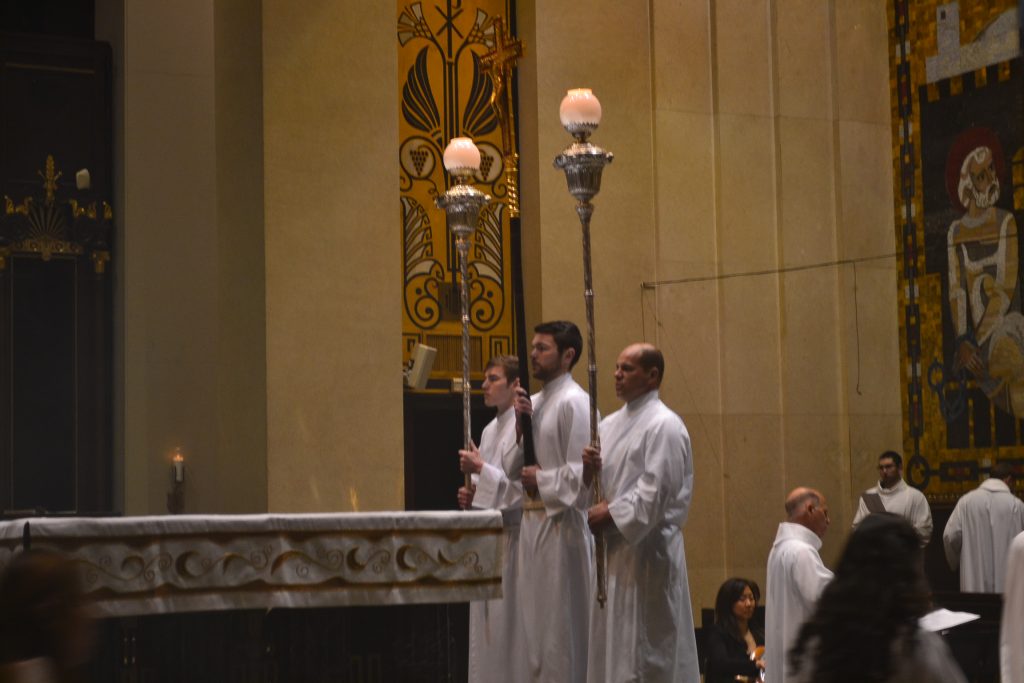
<point x="186" y="563"/>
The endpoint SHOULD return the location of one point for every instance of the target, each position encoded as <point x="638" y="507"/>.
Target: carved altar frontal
<point x="164" y="564"/>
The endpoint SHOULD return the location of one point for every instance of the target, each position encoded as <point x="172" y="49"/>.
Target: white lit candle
<point x="179" y="466"/>
<point x="580" y="106"/>
<point x="461" y="154"/>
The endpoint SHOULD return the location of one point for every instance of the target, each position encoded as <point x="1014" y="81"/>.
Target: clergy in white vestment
<point x="980" y="529"/>
<point x="555" y="545"/>
<point x="796" y="577"/>
<point x="1011" y="629"/>
<point x="496" y="648"/>
<point x="894" y="496"/>
<point x="645" y="631"/>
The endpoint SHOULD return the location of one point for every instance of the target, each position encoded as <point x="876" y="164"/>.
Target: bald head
<point x="638" y="371"/>
<point x="649" y="357"/>
<point x="807" y="507"/>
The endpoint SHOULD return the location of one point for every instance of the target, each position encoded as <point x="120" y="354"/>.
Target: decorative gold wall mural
<point x="446" y="92"/>
<point x="957" y="84"/>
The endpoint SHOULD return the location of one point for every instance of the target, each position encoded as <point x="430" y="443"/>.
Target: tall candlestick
<point x="583" y="163"/>
<point x="462" y="204"/>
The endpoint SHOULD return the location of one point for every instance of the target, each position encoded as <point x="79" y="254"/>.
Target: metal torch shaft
<point x="585" y="209"/>
<point x="462" y="246"/>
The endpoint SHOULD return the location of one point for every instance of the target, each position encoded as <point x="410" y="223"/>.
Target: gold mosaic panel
<point x="956" y="421"/>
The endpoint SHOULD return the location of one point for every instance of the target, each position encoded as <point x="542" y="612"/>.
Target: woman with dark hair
<point x="865" y="626"/>
<point x="732" y="641"/>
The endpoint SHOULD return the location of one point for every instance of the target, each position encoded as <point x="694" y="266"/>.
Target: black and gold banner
<point x="446" y="93"/>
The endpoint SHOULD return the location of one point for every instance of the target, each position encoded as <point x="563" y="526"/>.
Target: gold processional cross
<point x="498" y="63"/>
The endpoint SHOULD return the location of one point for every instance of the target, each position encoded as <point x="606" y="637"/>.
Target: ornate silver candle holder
<point x="462" y="204"/>
<point x="583" y="163"/>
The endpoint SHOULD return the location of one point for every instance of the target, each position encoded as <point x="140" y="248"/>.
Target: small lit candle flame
<point x="179" y="466"/>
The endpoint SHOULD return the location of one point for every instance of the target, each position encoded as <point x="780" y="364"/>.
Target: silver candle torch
<point x="583" y="163"/>
<point x="462" y="204"/>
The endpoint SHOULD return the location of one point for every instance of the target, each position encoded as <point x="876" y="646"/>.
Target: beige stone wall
<point x="333" y="256"/>
<point x="189" y="335"/>
<point x="171" y="386"/>
<point x="751" y="137"/>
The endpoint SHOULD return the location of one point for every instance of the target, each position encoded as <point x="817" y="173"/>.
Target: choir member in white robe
<point x="555" y="546"/>
<point x="496" y="648"/>
<point x="980" y="529"/>
<point x="897" y="498"/>
<point x="1011" y="629"/>
<point x="796" y="577"/>
<point x="645" y="631"/>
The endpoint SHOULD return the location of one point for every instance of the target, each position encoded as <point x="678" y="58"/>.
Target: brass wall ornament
<point x="49" y="226"/>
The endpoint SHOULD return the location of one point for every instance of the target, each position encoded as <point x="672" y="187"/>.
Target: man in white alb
<point x="980" y="529"/>
<point x="555" y="545"/>
<point x="1011" y="629"/>
<point x="496" y="648"/>
<point x="645" y="631"/>
<point x="894" y="496"/>
<point x="796" y="577"/>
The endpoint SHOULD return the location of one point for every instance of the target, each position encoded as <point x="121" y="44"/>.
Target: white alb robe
<point x="496" y="647"/>
<point x="796" y="578"/>
<point x="1011" y="628"/>
<point x="645" y="631"/>
<point x="555" y="545"/>
<point x="905" y="501"/>
<point x="978" y="535"/>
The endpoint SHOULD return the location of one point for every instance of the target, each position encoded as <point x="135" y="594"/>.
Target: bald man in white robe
<point x="645" y="631"/>
<point x="796" y="577"/>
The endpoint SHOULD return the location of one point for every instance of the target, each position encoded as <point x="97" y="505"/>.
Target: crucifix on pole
<point x="499" y="64"/>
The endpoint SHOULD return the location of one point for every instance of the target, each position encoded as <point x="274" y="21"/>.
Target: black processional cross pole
<point x="499" y="64"/>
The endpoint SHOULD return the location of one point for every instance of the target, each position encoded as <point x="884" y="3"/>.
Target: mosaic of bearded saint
<point x="984" y="293"/>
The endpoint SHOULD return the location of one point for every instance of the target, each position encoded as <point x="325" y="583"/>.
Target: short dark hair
<point x="652" y="357"/>
<point x="508" y="364"/>
<point x="566" y="336"/>
<point x="896" y="458"/>
<point x="1001" y="470"/>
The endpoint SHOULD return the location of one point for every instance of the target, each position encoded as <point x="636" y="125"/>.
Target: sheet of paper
<point x="942" y="619"/>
